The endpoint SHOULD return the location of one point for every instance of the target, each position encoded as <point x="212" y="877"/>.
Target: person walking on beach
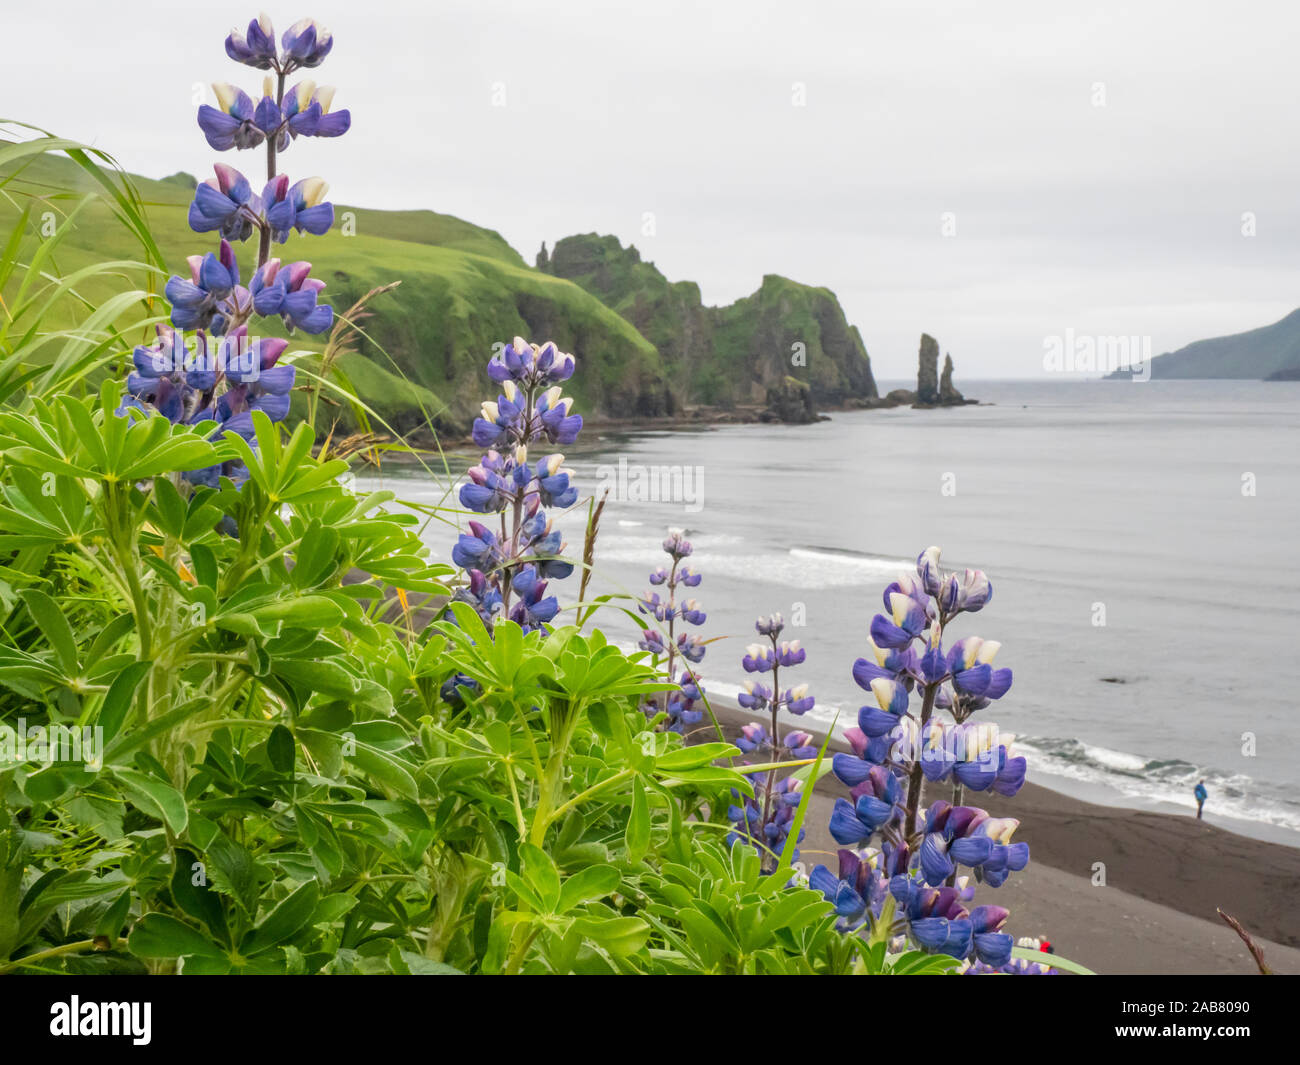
<point x="1201" y="795"/>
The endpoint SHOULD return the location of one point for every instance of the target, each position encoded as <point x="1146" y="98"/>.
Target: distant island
<point x="1270" y="353"/>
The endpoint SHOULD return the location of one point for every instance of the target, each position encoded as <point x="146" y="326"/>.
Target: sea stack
<point x="927" y="371"/>
<point x="948" y="395"/>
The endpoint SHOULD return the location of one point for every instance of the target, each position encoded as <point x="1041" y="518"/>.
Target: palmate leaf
<point x="155" y="797"/>
<point x="156" y="935"/>
<point x="32" y="516"/>
<point x="70" y="438"/>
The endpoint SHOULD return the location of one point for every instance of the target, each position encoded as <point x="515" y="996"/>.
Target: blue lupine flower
<point x="553" y="485"/>
<point x="306" y="113"/>
<point x="655" y="607"/>
<point x="530" y="366"/>
<point x="559" y="426"/>
<point x="797" y="700"/>
<point x="889" y="748"/>
<point x="886" y="663"/>
<point x="501" y="420"/>
<point x="225" y="203"/>
<point x="758" y="658"/>
<point x="256" y="47"/>
<point x="992" y="945"/>
<point x="301" y="206"/>
<point x="533" y="609"/>
<point x="935" y="917"/>
<point x="212" y="278"/>
<point x="540" y="543"/>
<point x="483" y="595"/>
<point x="966" y="835"/>
<point x="862" y="883"/>
<point x="255" y="381"/>
<point x="928" y="572"/>
<point x="691" y="613"/>
<point x="306" y="43"/>
<point x="906" y="621"/>
<point x="754" y="737"/>
<point x="489" y="489"/>
<point x="652" y="640"/>
<point x="970" y="664"/>
<point x="767" y="837"/>
<point x="877" y="795"/>
<point x="180" y="382"/>
<point x="974" y="754"/>
<point x="478" y="549"/>
<point x="873" y="749"/>
<point x="680" y="705"/>
<point x="456" y="689"/>
<point x="790" y="654"/>
<point x="232" y="123"/>
<point x="690" y="647"/>
<point x="975" y="591"/>
<point x="754" y="695"/>
<point x="891" y="706"/>
<point x="676" y="545"/>
<point x="289" y="292"/>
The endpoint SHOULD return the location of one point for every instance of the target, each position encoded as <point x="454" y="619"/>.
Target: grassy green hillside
<point x="646" y="346"/>
<point x="463" y="288"/>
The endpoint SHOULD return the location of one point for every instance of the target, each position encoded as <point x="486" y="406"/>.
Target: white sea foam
<point x="1233" y="795"/>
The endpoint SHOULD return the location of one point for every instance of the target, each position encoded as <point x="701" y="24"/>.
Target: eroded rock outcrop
<point x="727" y="357"/>
<point x="948" y="395"/>
<point x="789" y="401"/>
<point x="927" y="371"/>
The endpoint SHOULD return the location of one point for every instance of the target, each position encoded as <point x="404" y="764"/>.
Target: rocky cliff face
<point x="927" y="371"/>
<point x="948" y="395"/>
<point x="741" y="354"/>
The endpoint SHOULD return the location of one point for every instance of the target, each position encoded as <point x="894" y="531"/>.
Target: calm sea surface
<point x="1168" y="509"/>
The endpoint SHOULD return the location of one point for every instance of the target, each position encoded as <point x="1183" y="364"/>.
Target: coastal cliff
<point x="742" y="354"/>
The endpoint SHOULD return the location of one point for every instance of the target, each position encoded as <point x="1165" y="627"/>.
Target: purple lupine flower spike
<point x="902" y="746"/>
<point x="508" y="573"/>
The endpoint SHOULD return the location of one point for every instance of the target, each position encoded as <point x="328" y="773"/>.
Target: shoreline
<point x="1149" y="907"/>
<point x="1088" y="790"/>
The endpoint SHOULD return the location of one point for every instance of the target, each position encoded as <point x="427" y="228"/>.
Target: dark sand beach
<point x="1164" y="877"/>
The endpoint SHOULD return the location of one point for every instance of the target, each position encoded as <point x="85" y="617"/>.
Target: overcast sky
<point x="1124" y="218"/>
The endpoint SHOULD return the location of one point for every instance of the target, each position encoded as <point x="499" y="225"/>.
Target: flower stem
<point x="99" y="944"/>
<point x="917" y="778"/>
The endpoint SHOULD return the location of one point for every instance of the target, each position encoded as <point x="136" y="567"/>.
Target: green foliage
<point x="248" y="729"/>
<point x="278" y="782"/>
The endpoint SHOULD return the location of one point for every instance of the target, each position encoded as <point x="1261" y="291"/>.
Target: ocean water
<point x="1141" y="539"/>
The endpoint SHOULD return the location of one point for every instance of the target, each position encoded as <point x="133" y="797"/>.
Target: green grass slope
<point x="463" y="289"/>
